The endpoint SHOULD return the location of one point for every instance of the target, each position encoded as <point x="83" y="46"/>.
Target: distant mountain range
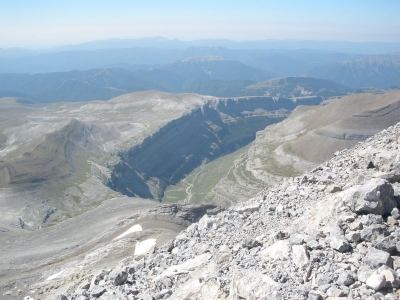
<point x="101" y="70"/>
<point x="164" y="43"/>
<point x="278" y="61"/>
<point x="366" y="72"/>
<point x="203" y="75"/>
<point x="293" y="87"/>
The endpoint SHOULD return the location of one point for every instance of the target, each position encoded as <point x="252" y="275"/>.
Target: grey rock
<point x="356" y="225"/>
<point x="249" y="208"/>
<point x="333" y="188"/>
<point x="391" y="278"/>
<point x="376" y="258"/>
<point x="98" y="277"/>
<point x="375" y="197"/>
<point x="395" y="213"/>
<point x="388" y="244"/>
<point x="334" y="292"/>
<point x="61" y="297"/>
<point x="223" y="256"/>
<point x="249" y="243"/>
<point x="118" y="277"/>
<point x="85" y="285"/>
<point x="97" y="291"/>
<point x="392" y="221"/>
<point x="322" y="279"/>
<point x="391" y="297"/>
<point x="376" y="281"/>
<point x="370" y="219"/>
<point x="339" y="244"/>
<point x="313" y="244"/>
<point x="374" y="233"/>
<point x="353" y="237"/>
<point x="345" y="279"/>
<point x="314" y="296"/>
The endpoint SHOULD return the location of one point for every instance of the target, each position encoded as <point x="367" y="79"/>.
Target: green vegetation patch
<point x="198" y="185"/>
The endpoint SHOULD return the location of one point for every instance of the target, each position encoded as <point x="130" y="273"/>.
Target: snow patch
<point x="55" y="275"/>
<point x="134" y="228"/>
<point x="144" y="247"/>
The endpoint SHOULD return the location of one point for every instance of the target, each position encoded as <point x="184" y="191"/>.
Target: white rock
<point x="187" y="266"/>
<point x="248" y="284"/>
<point x="376" y="281"/>
<point x="300" y="256"/>
<point x="279" y="250"/>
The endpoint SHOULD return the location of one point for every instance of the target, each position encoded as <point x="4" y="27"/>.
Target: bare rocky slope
<point x="309" y="136"/>
<point x="331" y="233"/>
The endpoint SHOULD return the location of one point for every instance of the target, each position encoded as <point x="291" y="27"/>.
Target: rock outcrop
<point x="332" y="233"/>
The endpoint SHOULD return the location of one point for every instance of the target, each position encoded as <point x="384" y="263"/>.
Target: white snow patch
<point x="134" y="228"/>
<point x="55" y="275"/>
<point x="144" y="247"/>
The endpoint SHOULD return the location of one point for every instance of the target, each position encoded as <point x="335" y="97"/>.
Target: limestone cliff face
<point x="62" y="159"/>
<point x="217" y="128"/>
<point x="310" y="135"/>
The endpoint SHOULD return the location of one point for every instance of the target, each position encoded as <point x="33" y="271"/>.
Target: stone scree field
<point x="332" y="233"/>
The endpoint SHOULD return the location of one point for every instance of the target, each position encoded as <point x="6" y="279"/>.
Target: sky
<point x="45" y="23"/>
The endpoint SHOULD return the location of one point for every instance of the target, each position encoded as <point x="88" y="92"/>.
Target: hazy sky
<point x="38" y="23"/>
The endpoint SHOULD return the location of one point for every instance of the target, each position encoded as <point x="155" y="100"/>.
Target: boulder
<point x="118" y="277"/>
<point x="374" y="233"/>
<point x="374" y="197"/>
<point x="334" y="292"/>
<point x="300" y="256"/>
<point x="339" y="244"/>
<point x="249" y="243"/>
<point x="376" y="258"/>
<point x="250" y="208"/>
<point x="395" y="213"/>
<point x="370" y="219"/>
<point x="314" y="296"/>
<point x="278" y="250"/>
<point x="345" y="279"/>
<point x="248" y="284"/>
<point x="390" y="277"/>
<point x="353" y="237"/>
<point x="388" y="244"/>
<point x="333" y="188"/>
<point x="222" y="256"/>
<point x="376" y="281"/>
<point x="97" y="291"/>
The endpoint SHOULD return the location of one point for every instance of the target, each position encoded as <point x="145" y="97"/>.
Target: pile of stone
<point x="332" y="233"/>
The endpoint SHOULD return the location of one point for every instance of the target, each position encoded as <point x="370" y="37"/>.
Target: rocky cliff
<point x="331" y="233"/>
<point x="60" y="160"/>
<point x="308" y="137"/>
<point x="174" y="150"/>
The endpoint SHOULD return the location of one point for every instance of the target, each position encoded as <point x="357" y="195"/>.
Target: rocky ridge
<point x="332" y="233"/>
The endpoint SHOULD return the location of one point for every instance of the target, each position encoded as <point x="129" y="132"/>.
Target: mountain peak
<point x="203" y="58"/>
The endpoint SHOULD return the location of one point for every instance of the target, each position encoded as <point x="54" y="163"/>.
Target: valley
<point x="109" y="155"/>
<point x="71" y="157"/>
